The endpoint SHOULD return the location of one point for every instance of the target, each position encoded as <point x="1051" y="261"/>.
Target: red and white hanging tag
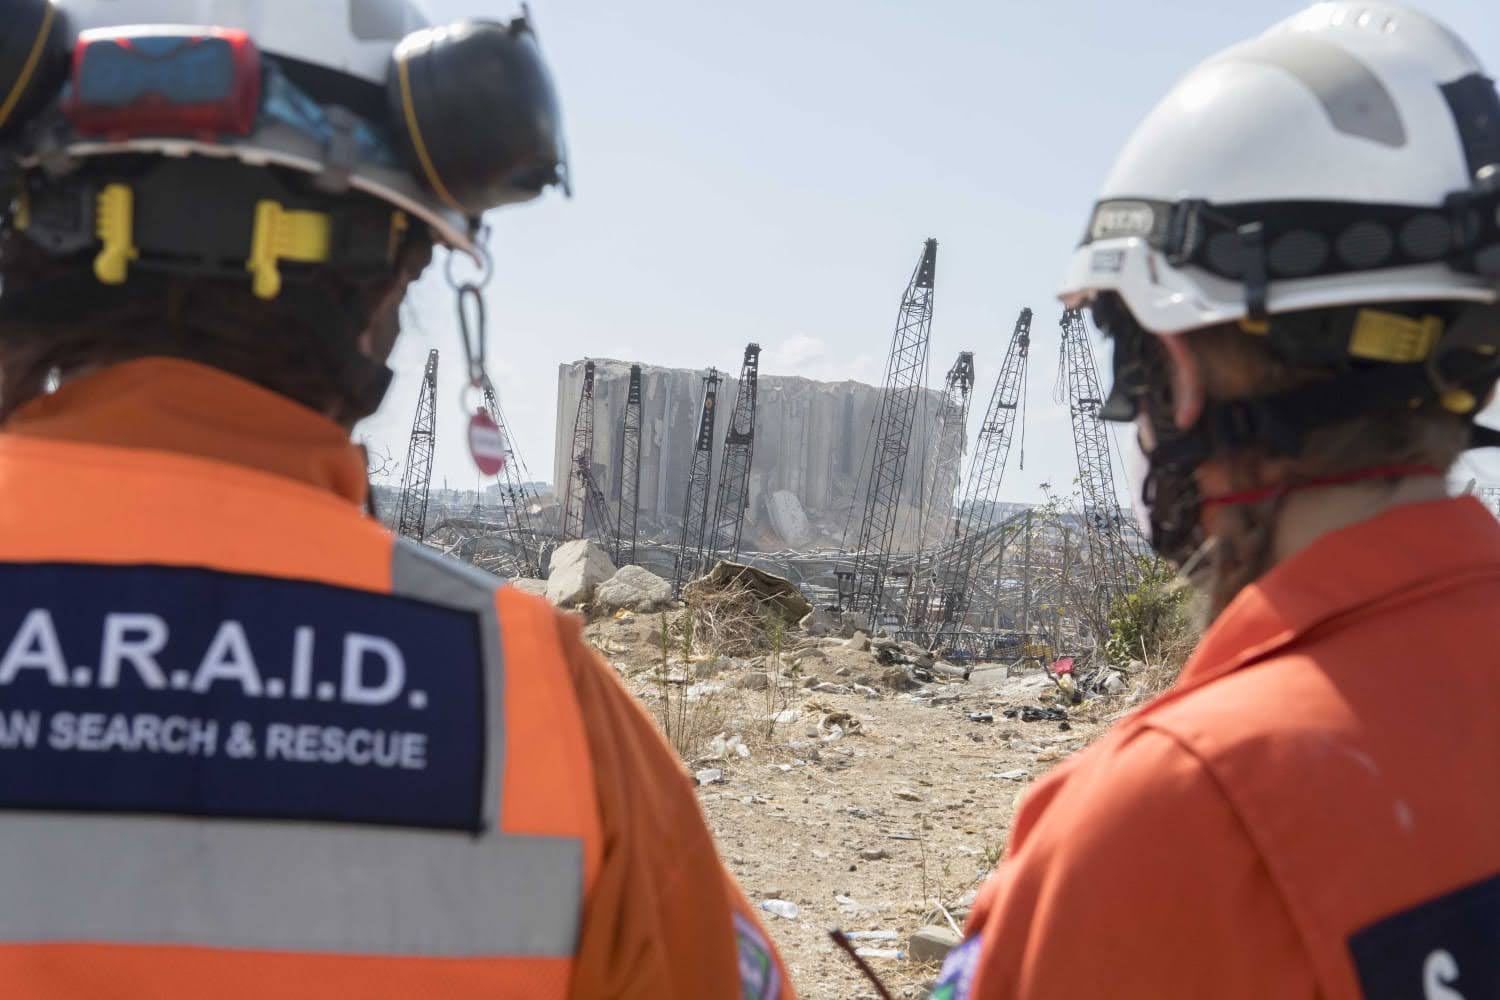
<point x="486" y="443"/>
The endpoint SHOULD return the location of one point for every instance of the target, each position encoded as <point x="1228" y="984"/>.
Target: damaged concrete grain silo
<point x="811" y="446"/>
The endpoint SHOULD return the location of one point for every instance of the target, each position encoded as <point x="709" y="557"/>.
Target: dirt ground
<point x="870" y="801"/>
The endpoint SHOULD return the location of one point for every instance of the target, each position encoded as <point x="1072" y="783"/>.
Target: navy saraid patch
<point x="956" y="982"/>
<point x="760" y="976"/>
<point x="1445" y="949"/>
<point x="191" y="691"/>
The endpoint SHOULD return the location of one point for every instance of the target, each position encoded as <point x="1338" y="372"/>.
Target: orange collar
<point x="167" y="404"/>
<point x="1405" y="550"/>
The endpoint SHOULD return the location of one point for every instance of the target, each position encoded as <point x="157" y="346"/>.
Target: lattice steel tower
<point x="628" y="481"/>
<point x="695" y="507"/>
<point x="416" y="480"/>
<point x="986" y="472"/>
<point x="734" y="467"/>
<point x="952" y="421"/>
<point x="1103" y="519"/>
<point x="575" y="496"/>
<point x="513" y="497"/>
<point x="892" y="434"/>
<point x="599" y="521"/>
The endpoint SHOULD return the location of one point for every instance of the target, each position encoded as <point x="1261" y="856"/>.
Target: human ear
<point x="1187" y="381"/>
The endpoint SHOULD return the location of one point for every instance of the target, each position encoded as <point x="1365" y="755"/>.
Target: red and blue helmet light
<point x="164" y="81"/>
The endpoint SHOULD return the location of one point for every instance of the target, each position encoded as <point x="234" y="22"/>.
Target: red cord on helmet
<point x="1342" y="479"/>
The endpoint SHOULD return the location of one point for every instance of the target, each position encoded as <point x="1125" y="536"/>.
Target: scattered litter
<point x="981" y="716"/>
<point x="709" y="776"/>
<point x="871" y="935"/>
<point x="893" y="953"/>
<point x="907" y="795"/>
<point x="835" y="725"/>
<point x="1035" y="713"/>
<point x="1019" y="774"/>
<point x="726" y="746"/>
<point x="946" y="698"/>
<point x="781" y="908"/>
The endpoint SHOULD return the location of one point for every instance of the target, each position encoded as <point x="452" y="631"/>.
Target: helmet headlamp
<point x="470" y="120"/>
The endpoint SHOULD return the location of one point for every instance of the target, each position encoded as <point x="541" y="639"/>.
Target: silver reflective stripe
<point x="1356" y="101"/>
<point x="287" y="887"/>
<point x="420" y="573"/>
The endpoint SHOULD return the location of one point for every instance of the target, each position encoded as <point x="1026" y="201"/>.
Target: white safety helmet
<point x="351" y="36"/>
<point x="1349" y="155"/>
<point x="1332" y="186"/>
<point x="441" y="123"/>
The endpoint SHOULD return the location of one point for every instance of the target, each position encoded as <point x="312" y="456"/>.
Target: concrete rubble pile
<point x="771" y="594"/>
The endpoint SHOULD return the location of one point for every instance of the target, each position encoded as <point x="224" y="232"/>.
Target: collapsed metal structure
<point x="1103" y="519"/>
<point x="984" y="578"/>
<point x="891" y="441"/>
<point x="515" y="501"/>
<point x="575" y="495"/>
<point x="953" y="422"/>
<point x="416" y="478"/>
<point x="734" y="468"/>
<point x="598" y="519"/>
<point x="690" y="547"/>
<point x="955" y="572"/>
<point x="628" y="480"/>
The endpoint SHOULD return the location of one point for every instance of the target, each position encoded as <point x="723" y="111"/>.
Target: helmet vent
<point x="1224" y="254"/>
<point x="1298" y="253"/>
<point x="1426" y="237"/>
<point x="1365" y="244"/>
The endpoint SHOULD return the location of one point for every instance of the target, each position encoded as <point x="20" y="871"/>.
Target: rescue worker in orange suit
<point x="250" y="744"/>
<point x="1296" y="259"/>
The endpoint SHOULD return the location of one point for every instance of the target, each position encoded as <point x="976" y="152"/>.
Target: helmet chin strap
<point x="1277" y="490"/>
<point x="1455" y="375"/>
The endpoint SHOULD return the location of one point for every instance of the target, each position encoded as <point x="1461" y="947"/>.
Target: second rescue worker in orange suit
<point x="1296" y="259"/>
<point x="250" y="744"/>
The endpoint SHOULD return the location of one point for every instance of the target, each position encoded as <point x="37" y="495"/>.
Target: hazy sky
<point x="769" y="171"/>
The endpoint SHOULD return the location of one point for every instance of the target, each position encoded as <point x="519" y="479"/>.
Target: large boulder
<point x="576" y="569"/>
<point x="527" y="585"/>
<point x="931" y="944"/>
<point x="634" y="588"/>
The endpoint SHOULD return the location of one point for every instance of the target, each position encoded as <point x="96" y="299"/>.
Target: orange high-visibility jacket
<point x="251" y="745"/>
<point x="1311" y="812"/>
